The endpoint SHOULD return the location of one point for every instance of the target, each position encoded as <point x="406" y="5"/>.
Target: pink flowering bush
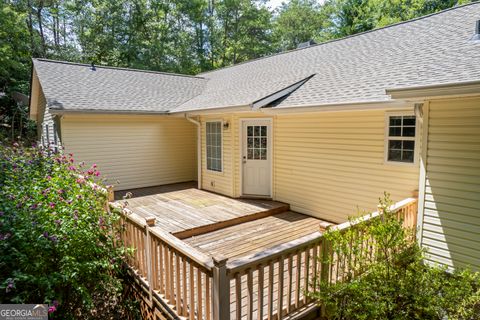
<point x="57" y="241"/>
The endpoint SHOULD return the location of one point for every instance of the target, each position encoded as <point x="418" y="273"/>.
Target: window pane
<point x="214" y="145"/>
<point x="263" y="154"/>
<point x="250" y="154"/>
<point x="256" y="154"/>
<point x="395" y="131"/>
<point x="409" y="121"/>
<point x="256" y="131"/>
<point x="256" y="142"/>
<point x="396" y="121"/>
<point x="409" y="131"/>
<point x="264" y="131"/>
<point x="395" y="144"/>
<point x="263" y="143"/>
<point x="394" y="155"/>
<point x="407" y="156"/>
<point x="249" y="142"/>
<point x="409" y="145"/>
<point x="249" y="130"/>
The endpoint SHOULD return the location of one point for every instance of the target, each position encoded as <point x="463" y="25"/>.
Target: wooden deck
<point x="255" y="236"/>
<point x="185" y="211"/>
<point x="218" y="226"/>
<point x="210" y="257"/>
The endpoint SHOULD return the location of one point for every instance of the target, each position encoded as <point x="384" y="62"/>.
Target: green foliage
<point x="388" y="278"/>
<point x="297" y="21"/>
<point x="56" y="238"/>
<point x="184" y="36"/>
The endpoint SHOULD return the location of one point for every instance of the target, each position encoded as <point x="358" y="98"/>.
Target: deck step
<point x="283" y="207"/>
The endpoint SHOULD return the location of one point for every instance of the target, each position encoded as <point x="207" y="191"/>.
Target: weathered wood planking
<point x="185" y="211"/>
<point x="255" y="236"/>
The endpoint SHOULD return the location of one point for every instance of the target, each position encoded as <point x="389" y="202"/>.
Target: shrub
<point x="396" y="284"/>
<point x="58" y="242"/>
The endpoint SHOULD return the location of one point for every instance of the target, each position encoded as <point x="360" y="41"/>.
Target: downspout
<point x="199" y="149"/>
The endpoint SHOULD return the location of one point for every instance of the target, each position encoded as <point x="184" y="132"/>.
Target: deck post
<point x="150" y="222"/>
<point x="220" y="289"/>
<point x="325" y="263"/>
<point x="110" y="193"/>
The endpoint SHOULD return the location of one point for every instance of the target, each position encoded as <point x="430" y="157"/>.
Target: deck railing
<point x="267" y="285"/>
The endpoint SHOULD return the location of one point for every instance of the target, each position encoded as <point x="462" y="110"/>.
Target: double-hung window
<point x="401" y="134"/>
<point x="214" y="145"/>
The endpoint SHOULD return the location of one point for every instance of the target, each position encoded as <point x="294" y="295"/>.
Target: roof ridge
<point x="344" y="38"/>
<point x="120" y="68"/>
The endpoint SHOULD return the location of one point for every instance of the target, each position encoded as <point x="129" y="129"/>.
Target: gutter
<point x="199" y="149"/>
<point x="336" y="107"/>
<point x="435" y="90"/>
<point x="91" y="111"/>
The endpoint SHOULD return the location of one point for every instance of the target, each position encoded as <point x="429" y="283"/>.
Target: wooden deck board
<point x="255" y="236"/>
<point x="182" y="208"/>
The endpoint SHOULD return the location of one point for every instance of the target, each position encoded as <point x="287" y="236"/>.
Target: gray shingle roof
<point x="434" y="49"/>
<point x="74" y="87"/>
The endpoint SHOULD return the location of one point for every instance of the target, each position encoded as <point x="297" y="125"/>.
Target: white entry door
<point x="257" y="157"/>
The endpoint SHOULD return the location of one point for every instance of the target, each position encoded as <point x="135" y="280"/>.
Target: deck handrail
<point x="272" y="253"/>
<point x="180" y="274"/>
<point x="295" y="266"/>
<point x="393" y="208"/>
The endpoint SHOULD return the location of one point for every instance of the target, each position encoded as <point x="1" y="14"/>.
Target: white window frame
<point x="221" y="146"/>
<point x="388" y="138"/>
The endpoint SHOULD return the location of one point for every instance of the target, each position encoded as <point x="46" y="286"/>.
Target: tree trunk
<point x="40" y="27"/>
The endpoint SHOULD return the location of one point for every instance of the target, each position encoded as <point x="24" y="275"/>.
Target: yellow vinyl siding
<point x="136" y="151"/>
<point x="324" y="164"/>
<point x="451" y="216"/>
<point x="328" y="164"/>
<point x="219" y="182"/>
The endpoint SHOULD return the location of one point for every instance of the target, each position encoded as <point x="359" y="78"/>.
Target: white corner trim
<point x="422" y="180"/>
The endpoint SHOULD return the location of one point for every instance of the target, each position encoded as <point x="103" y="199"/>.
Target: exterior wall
<point x="219" y="182"/>
<point x="325" y="164"/>
<point x="138" y="151"/>
<point x="331" y="164"/>
<point x="451" y="208"/>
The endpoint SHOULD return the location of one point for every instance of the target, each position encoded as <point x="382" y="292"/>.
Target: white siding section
<point x="136" y="151"/>
<point x="451" y="218"/>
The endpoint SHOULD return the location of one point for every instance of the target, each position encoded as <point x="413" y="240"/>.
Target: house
<point x="326" y="128"/>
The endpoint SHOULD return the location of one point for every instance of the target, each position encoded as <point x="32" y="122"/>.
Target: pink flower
<point x="97" y="173"/>
<point x="80" y="180"/>
<point x="94" y="165"/>
<point x="72" y="168"/>
<point x="52" y="205"/>
<point x="49" y="178"/>
<point x="90" y="171"/>
<point x="52" y="309"/>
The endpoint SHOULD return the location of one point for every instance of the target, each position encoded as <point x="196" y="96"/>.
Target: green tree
<point x="297" y="21"/>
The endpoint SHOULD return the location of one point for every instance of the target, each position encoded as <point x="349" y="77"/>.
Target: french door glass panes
<point x="214" y="145"/>
<point x="257" y="142"/>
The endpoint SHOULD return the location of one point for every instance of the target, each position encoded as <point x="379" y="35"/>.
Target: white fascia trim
<point x="217" y="110"/>
<point x="89" y="111"/>
<point x="337" y="107"/>
<point x="436" y="90"/>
